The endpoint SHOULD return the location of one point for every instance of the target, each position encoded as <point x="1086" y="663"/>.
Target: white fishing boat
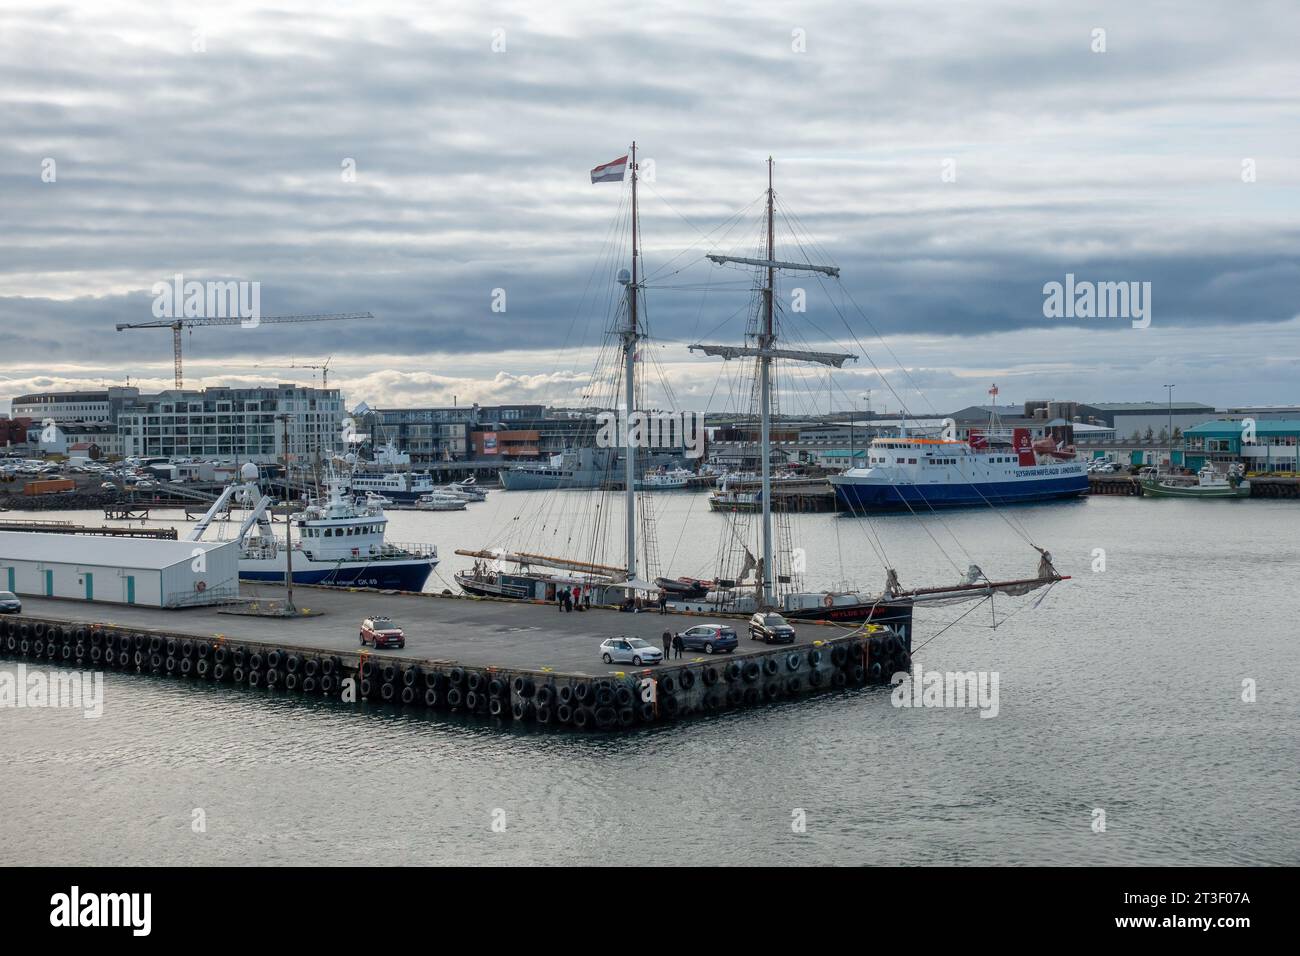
<point x="335" y="541"/>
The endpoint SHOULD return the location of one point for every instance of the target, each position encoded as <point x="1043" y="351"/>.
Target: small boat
<point x="470" y="486"/>
<point x="438" y="501"/>
<point x="665" y="480"/>
<point x="461" y="491"/>
<point x="1209" y="484"/>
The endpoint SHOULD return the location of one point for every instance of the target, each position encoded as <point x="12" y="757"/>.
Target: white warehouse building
<point x="142" y="571"/>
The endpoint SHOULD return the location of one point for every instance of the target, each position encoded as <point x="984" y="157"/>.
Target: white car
<point x="629" y="650"/>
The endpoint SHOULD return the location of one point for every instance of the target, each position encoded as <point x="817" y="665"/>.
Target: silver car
<point x="629" y="650"/>
<point x="9" y="603"/>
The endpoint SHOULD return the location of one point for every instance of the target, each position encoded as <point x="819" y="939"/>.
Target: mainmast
<point x="765" y="342"/>
<point x="765" y="353"/>
<point x="629" y="383"/>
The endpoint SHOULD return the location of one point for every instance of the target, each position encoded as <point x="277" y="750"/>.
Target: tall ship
<point x="997" y="467"/>
<point x="336" y="541"/>
<point x="757" y="567"/>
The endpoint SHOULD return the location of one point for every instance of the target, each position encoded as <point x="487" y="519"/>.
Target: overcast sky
<point x="210" y="140"/>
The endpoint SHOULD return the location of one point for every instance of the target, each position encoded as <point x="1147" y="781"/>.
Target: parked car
<point x="107" y="486"/>
<point x="9" y="603"/>
<point x="710" y="638"/>
<point x="629" y="650"/>
<point x="770" y="628"/>
<point x="382" y="632"/>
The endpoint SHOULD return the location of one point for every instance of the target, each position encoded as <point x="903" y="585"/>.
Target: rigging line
<point x="885" y="381"/>
<point x="792" y="218"/>
<point x="694" y="287"/>
<point x="973" y="607"/>
<point x="608" y="244"/>
<point x="1035" y="603"/>
<point x="924" y="500"/>
<point x="730" y="223"/>
<point x="691" y="507"/>
<point x="1018" y="529"/>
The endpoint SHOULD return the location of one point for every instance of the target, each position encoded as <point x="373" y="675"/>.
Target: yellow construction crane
<point x="177" y="324"/>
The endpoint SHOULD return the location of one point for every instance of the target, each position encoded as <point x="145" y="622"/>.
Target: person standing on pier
<point x="668" y="644"/>
<point x="678" y="643"/>
<point x="663" y="602"/>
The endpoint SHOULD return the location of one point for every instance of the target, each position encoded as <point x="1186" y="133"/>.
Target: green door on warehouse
<point x="130" y="589"/>
<point x="49" y="584"/>
<point x="90" y="586"/>
<point x="11" y="580"/>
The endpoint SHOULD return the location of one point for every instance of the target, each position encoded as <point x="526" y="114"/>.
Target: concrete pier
<point x="505" y="660"/>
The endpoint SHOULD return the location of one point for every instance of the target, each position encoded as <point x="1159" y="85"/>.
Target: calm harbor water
<point x="1121" y="691"/>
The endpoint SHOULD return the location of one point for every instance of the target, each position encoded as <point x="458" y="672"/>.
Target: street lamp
<point x="1169" y="389"/>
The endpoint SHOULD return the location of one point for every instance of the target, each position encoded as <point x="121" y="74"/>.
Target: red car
<point x="382" y="632"/>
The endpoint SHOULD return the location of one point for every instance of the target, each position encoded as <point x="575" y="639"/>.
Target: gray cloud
<point x="472" y="176"/>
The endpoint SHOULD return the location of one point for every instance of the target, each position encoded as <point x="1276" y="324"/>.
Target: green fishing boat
<point x="1208" y="484"/>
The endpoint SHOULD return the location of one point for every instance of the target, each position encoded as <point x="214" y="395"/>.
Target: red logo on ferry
<point x="978" y="440"/>
<point x="1024" y="448"/>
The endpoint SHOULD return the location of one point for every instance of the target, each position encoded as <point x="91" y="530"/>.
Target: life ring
<point x="828" y="601"/>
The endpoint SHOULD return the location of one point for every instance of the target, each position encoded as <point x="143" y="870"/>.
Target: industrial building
<point x="144" y="571"/>
<point x="1270" y="445"/>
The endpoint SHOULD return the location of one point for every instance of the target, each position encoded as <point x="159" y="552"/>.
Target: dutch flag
<point x="610" y="172"/>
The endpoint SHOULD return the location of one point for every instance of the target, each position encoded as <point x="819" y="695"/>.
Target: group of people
<point x="673" y="645"/>
<point x="572" y="599"/>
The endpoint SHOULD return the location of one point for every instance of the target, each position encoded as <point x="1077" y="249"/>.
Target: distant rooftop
<point x="1148" y="406"/>
<point x="1279" y="426"/>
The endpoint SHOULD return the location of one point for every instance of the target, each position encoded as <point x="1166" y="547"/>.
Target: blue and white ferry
<point x="906" y="473"/>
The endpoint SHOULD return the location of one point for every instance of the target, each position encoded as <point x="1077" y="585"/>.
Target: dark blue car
<point x="710" y="638"/>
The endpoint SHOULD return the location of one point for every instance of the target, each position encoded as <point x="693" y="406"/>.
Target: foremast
<point x="630" y="335"/>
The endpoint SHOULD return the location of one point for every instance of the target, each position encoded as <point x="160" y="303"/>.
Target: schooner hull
<point x="897" y="614"/>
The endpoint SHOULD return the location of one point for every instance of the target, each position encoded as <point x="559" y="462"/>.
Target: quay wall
<point x="620" y="701"/>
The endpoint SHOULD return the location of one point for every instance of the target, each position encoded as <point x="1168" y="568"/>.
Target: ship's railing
<point x="396" y="549"/>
